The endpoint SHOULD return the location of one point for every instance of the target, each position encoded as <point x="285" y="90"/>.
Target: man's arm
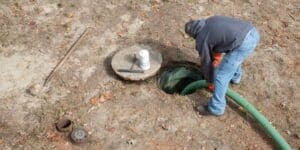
<point x="206" y="62"/>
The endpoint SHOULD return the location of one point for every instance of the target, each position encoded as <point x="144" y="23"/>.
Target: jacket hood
<point x="192" y="28"/>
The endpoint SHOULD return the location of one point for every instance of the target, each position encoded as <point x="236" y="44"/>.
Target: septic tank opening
<point x="174" y="79"/>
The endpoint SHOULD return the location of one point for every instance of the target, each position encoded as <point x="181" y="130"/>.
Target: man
<point x="214" y="36"/>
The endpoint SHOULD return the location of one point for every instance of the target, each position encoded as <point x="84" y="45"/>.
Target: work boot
<point x="203" y="110"/>
<point x="234" y="82"/>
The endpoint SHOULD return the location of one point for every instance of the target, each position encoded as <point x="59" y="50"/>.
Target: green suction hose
<point x="262" y="120"/>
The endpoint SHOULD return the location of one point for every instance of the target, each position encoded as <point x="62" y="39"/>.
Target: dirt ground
<point x="35" y="34"/>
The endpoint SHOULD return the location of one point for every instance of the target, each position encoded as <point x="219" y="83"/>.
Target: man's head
<point x="193" y="27"/>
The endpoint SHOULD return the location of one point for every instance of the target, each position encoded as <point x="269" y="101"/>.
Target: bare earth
<point x="35" y="34"/>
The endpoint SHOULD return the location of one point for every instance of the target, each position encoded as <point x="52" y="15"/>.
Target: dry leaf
<point x="122" y="32"/>
<point x="32" y="24"/>
<point x="106" y="96"/>
<point x="53" y="136"/>
<point x="111" y="129"/>
<point x="164" y="126"/>
<point x="94" y="100"/>
<point x="50" y="134"/>
<point x="156" y="2"/>
<point x="168" y="43"/>
<point x="102" y="99"/>
<point x="69" y="15"/>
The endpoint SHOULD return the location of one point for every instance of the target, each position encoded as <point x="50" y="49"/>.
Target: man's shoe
<point x="234" y="82"/>
<point x="203" y="110"/>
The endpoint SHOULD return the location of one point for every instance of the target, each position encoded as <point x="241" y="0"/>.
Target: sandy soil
<point x="35" y="34"/>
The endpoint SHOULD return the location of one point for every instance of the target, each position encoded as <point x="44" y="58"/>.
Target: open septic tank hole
<point x="174" y="78"/>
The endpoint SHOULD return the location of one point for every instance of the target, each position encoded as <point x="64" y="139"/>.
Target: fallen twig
<point x="292" y="17"/>
<point x="66" y="56"/>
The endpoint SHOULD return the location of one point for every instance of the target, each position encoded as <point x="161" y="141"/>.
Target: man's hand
<point x="210" y="87"/>
<point x="217" y="59"/>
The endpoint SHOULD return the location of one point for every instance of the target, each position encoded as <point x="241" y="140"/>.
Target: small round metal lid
<point x="79" y="135"/>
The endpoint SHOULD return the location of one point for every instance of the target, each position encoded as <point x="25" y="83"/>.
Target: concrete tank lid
<point x="125" y="59"/>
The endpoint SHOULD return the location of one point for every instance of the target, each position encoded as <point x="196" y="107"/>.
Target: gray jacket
<point x="217" y="34"/>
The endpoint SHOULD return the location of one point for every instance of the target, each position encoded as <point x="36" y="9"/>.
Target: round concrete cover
<point x="125" y="59"/>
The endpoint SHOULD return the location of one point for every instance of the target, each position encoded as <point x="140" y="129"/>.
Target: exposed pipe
<point x="262" y="120"/>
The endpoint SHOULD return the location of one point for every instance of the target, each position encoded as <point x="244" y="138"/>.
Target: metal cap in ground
<point x="79" y="135"/>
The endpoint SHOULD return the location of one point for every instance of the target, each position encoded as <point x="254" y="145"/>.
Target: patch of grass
<point x="59" y="5"/>
<point x="131" y="5"/>
<point x="65" y="26"/>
